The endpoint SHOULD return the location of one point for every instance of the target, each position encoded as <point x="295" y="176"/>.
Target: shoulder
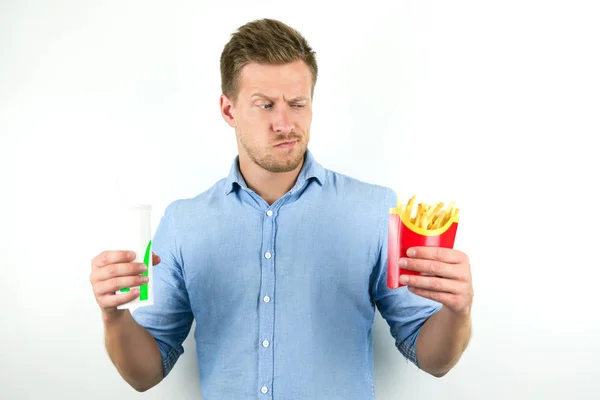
<point x="186" y="208"/>
<point x="360" y="191"/>
<point x="363" y="204"/>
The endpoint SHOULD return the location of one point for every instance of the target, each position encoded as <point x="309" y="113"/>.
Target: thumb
<point x="155" y="259"/>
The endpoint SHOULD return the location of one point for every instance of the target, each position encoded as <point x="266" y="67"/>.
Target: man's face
<point x="272" y="115"/>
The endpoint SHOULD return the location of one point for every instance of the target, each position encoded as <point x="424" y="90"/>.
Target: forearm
<point x="133" y="351"/>
<point x="442" y="341"/>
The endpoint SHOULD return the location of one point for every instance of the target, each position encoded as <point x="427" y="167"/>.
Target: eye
<point x="265" y="106"/>
<point x="298" y="105"/>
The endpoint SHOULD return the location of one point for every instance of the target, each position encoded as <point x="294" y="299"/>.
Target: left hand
<point x="449" y="280"/>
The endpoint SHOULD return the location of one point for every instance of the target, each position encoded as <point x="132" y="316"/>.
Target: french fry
<point x="434" y="211"/>
<point x="409" y="207"/>
<point x="426" y="216"/>
<point x="417" y="221"/>
<point x="449" y="212"/>
<point x="439" y="220"/>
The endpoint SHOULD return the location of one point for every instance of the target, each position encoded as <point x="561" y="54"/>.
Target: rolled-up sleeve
<point x="404" y="311"/>
<point x="170" y="318"/>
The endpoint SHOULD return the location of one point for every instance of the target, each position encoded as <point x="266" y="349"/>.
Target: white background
<point x="492" y="104"/>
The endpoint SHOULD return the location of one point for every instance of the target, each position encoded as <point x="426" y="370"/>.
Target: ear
<point x="227" y="111"/>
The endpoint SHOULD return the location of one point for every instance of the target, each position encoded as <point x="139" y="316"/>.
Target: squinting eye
<point x="265" y="106"/>
<point x="299" y="105"/>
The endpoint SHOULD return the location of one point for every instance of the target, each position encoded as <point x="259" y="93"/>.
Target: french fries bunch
<point x="425" y="216"/>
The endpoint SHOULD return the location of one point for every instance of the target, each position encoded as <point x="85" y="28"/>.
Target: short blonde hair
<point x="265" y="41"/>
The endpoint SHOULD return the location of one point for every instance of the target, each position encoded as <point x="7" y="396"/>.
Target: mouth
<point x="286" y="145"/>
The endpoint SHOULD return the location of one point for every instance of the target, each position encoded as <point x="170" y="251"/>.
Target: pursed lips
<point x="286" y="144"/>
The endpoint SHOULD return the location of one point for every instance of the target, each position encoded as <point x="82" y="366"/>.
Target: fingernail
<point x="410" y="252"/>
<point x="131" y="255"/>
<point x="143" y="267"/>
<point x="145" y="279"/>
<point x="403" y="279"/>
<point x="402" y="262"/>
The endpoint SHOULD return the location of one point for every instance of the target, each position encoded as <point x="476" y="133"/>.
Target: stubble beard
<point x="268" y="162"/>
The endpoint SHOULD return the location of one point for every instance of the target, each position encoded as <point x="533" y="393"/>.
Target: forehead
<point x="293" y="79"/>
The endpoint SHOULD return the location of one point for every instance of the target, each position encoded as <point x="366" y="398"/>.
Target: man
<point x="283" y="262"/>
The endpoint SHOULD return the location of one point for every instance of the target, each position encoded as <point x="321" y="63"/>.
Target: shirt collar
<point x="310" y="169"/>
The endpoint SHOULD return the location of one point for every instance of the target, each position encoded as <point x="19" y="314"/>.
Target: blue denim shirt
<point x="284" y="296"/>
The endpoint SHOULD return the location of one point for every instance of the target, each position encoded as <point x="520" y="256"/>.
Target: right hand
<point x="112" y="271"/>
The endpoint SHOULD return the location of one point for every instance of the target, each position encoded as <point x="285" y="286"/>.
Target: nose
<point x="282" y="123"/>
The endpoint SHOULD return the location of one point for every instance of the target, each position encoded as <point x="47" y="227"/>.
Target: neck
<point x="271" y="186"/>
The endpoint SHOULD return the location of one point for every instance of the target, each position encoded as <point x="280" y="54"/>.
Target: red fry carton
<point x="403" y="234"/>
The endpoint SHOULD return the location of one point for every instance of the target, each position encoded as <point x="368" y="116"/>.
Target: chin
<point x="281" y="167"/>
<point x="287" y="164"/>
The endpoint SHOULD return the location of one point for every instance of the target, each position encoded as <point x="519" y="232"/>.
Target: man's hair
<point x="265" y="41"/>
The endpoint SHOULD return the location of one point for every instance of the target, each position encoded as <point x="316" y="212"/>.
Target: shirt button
<point x="264" y="389"/>
<point x="267" y="255"/>
<point x="269" y="213"/>
<point x="266" y="299"/>
<point x="265" y="343"/>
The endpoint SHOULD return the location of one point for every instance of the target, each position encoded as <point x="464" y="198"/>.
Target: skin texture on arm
<point x="133" y="351"/>
<point x="442" y="341"/>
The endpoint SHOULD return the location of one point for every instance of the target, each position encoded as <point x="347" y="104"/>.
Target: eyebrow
<point x="261" y="95"/>
<point x="297" y="99"/>
<point x="294" y="100"/>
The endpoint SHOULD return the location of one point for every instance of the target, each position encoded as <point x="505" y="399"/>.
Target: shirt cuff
<point x="408" y="347"/>
<point x="169" y="356"/>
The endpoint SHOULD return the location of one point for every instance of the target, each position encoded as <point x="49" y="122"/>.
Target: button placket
<point x="266" y="309"/>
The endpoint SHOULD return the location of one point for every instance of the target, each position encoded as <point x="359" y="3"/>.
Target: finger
<point x="155" y="259"/>
<point x="433" y="267"/>
<point x="451" y="256"/>
<point x="441" y="297"/>
<point x="433" y="283"/>
<point x="117" y="270"/>
<point x="115" y="300"/>
<point x="112" y="257"/>
<point x="112" y="285"/>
